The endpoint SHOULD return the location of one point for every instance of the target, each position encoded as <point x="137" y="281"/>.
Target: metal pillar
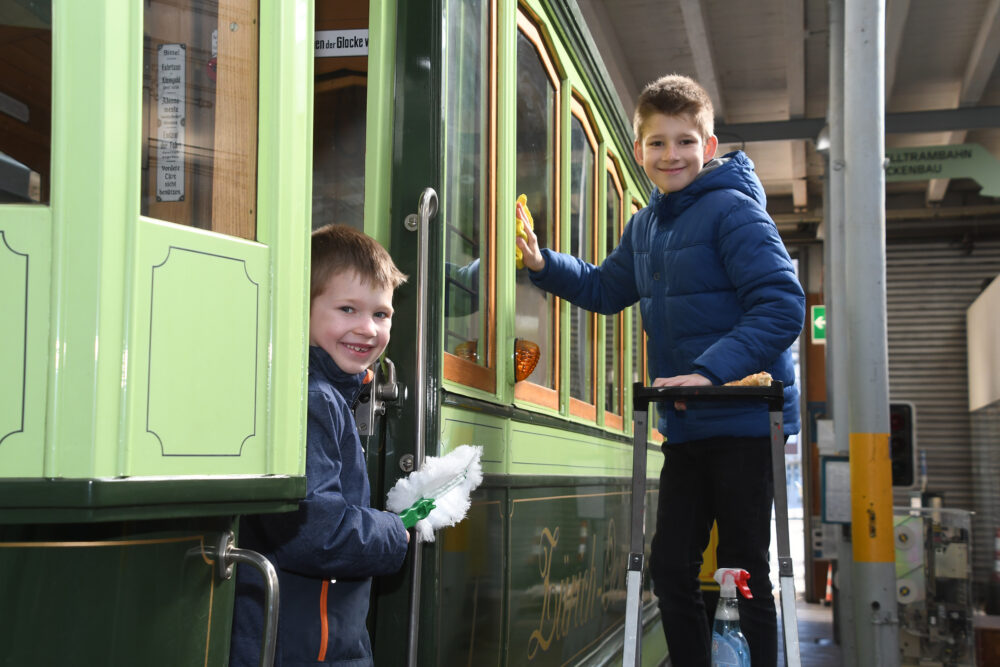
<point x="876" y="621"/>
<point x="835" y="293"/>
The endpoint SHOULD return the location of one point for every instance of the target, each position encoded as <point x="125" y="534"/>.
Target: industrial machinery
<point x="933" y="586"/>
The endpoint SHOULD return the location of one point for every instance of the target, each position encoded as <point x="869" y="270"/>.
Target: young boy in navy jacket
<point x="326" y="552"/>
<point x="719" y="301"/>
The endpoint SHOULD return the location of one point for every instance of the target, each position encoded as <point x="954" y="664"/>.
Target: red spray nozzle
<point x="732" y="578"/>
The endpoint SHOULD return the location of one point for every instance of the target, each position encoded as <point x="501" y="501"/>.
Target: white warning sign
<point x="170" y="111"/>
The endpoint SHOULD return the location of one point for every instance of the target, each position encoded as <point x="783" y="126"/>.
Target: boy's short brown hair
<point x="339" y="248"/>
<point x="675" y="95"/>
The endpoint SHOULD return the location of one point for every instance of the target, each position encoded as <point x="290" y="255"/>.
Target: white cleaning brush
<point x="437" y="495"/>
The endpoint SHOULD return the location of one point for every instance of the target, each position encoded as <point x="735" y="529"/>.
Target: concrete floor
<point x="816" y="645"/>
<point x="815" y="621"/>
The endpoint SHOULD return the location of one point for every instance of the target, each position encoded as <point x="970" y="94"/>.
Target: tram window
<point x="25" y="101"/>
<point x="199" y="114"/>
<point x="340" y="104"/>
<point x="466" y="197"/>
<point x="537" y="177"/>
<point x="638" y="336"/>
<point x="613" y="375"/>
<point x="640" y="356"/>
<point x="582" y="210"/>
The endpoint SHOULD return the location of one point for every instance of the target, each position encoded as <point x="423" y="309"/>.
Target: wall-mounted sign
<point x="341" y="43"/>
<point x="817" y="315"/>
<point x="921" y="163"/>
<point x="171" y="114"/>
<point x="836" y="489"/>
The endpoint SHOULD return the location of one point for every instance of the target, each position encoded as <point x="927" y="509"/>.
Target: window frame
<point x="234" y="174"/>
<point x="581" y="111"/>
<point x="612" y="419"/>
<point x="532" y="30"/>
<point x="454" y="368"/>
<point x="639" y="333"/>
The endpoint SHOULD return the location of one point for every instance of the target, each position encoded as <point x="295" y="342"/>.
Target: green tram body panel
<point x="102" y="595"/>
<point x="534" y="575"/>
<point x="566" y="546"/>
<point x="152" y="374"/>
<point x="140" y="349"/>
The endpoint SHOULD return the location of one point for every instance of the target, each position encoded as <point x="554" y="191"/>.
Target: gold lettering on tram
<point x="571" y="601"/>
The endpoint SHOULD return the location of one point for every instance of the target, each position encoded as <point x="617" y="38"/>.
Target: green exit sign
<point x="818" y="318"/>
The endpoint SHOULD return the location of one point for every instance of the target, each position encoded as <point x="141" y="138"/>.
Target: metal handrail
<point x="426" y="209"/>
<point x="226" y="555"/>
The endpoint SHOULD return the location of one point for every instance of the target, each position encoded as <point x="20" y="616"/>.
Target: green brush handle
<point x="417" y="511"/>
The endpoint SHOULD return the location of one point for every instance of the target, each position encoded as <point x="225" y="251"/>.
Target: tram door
<point x="348" y="75"/>
<point x="340" y="92"/>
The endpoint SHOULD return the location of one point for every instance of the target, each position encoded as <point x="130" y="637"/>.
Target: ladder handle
<point x="773" y="396"/>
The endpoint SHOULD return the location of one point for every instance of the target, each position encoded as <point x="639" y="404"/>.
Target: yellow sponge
<point x="523" y="216"/>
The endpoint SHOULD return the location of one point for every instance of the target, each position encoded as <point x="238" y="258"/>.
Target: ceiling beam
<point x="795" y="85"/>
<point x="896" y="13"/>
<point x="982" y="61"/>
<point x="936" y="120"/>
<point x="701" y="51"/>
<point x="983" y="58"/>
<point x="795" y="58"/>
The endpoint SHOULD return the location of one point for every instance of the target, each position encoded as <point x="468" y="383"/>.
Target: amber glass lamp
<point x="526" y="356"/>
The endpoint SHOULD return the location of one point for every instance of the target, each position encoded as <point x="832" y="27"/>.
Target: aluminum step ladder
<point x="642" y="396"/>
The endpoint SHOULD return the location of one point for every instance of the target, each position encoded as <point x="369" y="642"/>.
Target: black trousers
<point x="729" y="481"/>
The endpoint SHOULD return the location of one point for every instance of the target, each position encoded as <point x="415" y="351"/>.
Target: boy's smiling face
<point x="351" y="321"/>
<point x="672" y="151"/>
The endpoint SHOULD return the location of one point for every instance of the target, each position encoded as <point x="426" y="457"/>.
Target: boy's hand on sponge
<point x="527" y="252"/>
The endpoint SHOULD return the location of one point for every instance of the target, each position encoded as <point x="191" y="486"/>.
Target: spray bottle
<point x="729" y="646"/>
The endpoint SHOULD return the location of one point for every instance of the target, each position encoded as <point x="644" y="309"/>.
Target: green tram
<point x="162" y="163"/>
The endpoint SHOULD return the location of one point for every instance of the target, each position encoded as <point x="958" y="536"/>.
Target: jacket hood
<point x="733" y="171"/>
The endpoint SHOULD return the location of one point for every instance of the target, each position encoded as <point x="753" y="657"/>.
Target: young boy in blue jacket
<point x="326" y="552"/>
<point x="719" y="301"/>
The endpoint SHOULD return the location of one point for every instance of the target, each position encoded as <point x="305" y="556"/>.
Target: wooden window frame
<point x="529" y="26"/>
<point x="456" y="369"/>
<point x="611" y="419"/>
<point x="577" y="407"/>
<point x="652" y="435"/>
<point x="233" y="208"/>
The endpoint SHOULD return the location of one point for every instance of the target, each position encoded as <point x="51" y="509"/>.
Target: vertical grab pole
<point x="426" y="209"/>
<point x="632" y="649"/>
<point x="786" y="579"/>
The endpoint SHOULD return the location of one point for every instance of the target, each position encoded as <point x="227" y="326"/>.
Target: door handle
<point x="383" y="389"/>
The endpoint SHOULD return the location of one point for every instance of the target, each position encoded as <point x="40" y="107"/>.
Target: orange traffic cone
<point x="828" y="600"/>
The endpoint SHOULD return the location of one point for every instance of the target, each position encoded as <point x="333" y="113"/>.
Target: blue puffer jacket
<point x="334" y="534"/>
<point x="717" y="291"/>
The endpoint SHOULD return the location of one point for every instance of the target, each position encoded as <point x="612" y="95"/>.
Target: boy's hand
<point x="527" y="242"/>
<point x="692" y="380"/>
